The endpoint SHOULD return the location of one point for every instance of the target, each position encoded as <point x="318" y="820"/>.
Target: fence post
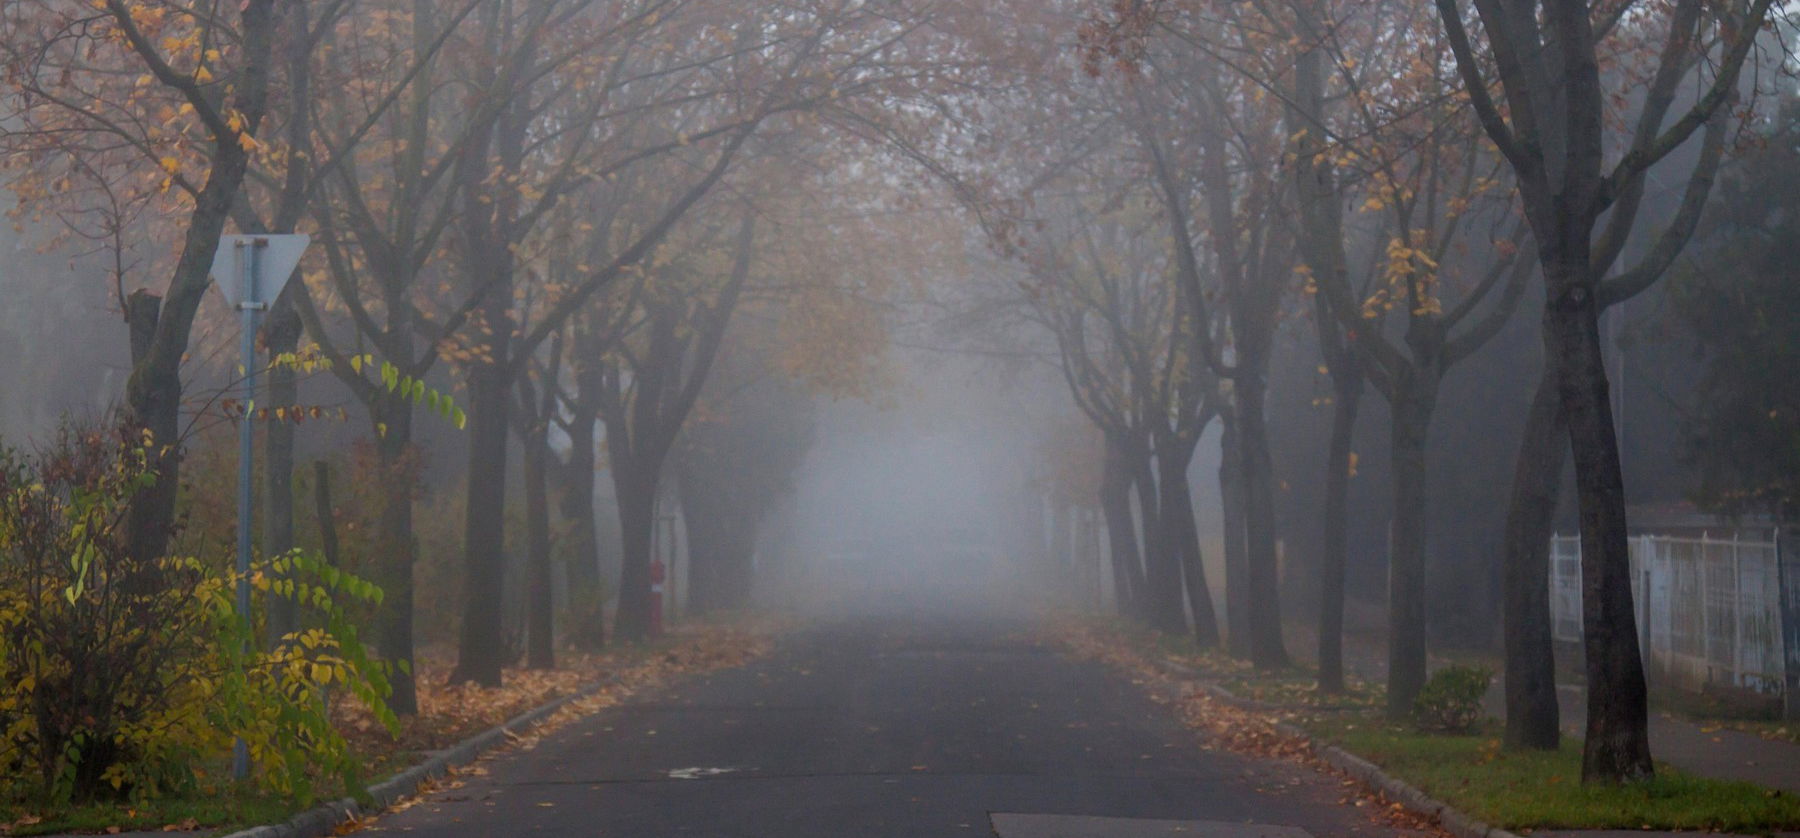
<point x="1737" y="611"/>
<point x="1707" y="657"/>
<point x="1787" y="575"/>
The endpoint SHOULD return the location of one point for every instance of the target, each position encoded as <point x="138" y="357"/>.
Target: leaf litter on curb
<point x="448" y="714"/>
<point x="1242" y="731"/>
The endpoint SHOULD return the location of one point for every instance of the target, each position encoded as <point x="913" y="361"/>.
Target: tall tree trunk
<point x="637" y="522"/>
<point x="1321" y="239"/>
<point x="1617" y="746"/>
<point x="481" y="651"/>
<point x="489" y="213"/>
<point x="1177" y="516"/>
<point x="1413" y="399"/>
<point x="1533" y="719"/>
<point x="398" y="461"/>
<point x="1347" y="386"/>
<point x="1237" y="566"/>
<point x="704" y="522"/>
<point x="587" y="629"/>
<point x="1267" y="648"/>
<point x="153" y="397"/>
<point x="324" y="511"/>
<point x="1162" y="563"/>
<point x="1121" y="533"/>
<point x="282" y="335"/>
<point x="160" y="328"/>
<point x="540" y="619"/>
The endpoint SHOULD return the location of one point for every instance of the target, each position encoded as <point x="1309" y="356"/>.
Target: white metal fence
<point x="1712" y="614"/>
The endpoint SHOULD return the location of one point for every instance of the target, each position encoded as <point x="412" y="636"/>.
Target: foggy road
<point x="891" y="727"/>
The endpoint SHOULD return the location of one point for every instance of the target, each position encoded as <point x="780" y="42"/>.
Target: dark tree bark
<point x="1177" y="517"/>
<point x="399" y="464"/>
<point x="1617" y="744"/>
<point x="394" y="240"/>
<point x="490" y="227"/>
<point x="1533" y="718"/>
<point x="282" y="329"/>
<point x="1413" y="401"/>
<point x="1347" y="390"/>
<point x="1237" y="565"/>
<point x="1162" y="560"/>
<point x="587" y="629"/>
<point x="1406" y="372"/>
<point x="540" y="605"/>
<point x="325" y="513"/>
<point x="538" y="406"/>
<point x="1268" y="650"/>
<point x="153" y="392"/>
<point x="481" y="651"/>
<point x="643" y="420"/>
<point x="637" y="522"/>
<point x="1553" y="134"/>
<point x="1321" y="239"/>
<point x="1121" y="531"/>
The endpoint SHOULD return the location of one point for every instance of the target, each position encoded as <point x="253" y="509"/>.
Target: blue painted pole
<point x="248" y="305"/>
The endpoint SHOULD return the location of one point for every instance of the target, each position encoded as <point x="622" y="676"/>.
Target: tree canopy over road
<point x="620" y="312"/>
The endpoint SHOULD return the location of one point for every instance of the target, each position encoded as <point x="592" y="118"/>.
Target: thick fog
<point x="1364" y="355"/>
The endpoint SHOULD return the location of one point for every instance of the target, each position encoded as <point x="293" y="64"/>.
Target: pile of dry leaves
<point x="449" y="714"/>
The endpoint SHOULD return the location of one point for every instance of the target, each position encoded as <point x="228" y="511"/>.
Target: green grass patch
<point x="1543" y="790"/>
<point x="224" y="812"/>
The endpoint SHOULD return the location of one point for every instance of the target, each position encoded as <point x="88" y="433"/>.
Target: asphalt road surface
<point x="907" y="727"/>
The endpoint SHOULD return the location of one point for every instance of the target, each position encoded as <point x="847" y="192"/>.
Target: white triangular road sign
<point x="276" y="257"/>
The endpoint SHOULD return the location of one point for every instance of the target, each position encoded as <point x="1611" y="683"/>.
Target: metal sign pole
<point x="264" y="263"/>
<point x="248" y="306"/>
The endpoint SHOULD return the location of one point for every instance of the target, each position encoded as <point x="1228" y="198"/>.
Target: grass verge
<point x="1520" y="791"/>
<point x="173" y="814"/>
<point x="1543" y="790"/>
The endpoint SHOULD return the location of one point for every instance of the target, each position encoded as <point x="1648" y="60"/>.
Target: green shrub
<point x="124" y="678"/>
<point x="1450" y="701"/>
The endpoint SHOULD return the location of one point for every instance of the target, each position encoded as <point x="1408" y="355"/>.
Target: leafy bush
<point x="122" y="678"/>
<point x="1450" y="702"/>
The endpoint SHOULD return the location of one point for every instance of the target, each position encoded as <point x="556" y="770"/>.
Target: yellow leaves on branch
<point x="1385" y="193"/>
<point x="1408" y="278"/>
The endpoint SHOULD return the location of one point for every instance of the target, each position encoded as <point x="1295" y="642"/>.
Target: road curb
<point x="1363" y="771"/>
<point x="324" y="819"/>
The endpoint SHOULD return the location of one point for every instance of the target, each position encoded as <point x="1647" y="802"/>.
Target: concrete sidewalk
<point x="1708" y="751"/>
